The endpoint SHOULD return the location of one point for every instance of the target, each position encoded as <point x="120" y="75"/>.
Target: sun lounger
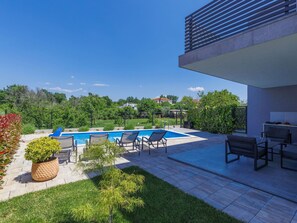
<point x="129" y="138"/>
<point x="68" y="145"/>
<point x="57" y="132"/>
<point x="155" y="138"/>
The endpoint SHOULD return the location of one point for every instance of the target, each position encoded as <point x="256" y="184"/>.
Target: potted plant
<point x="44" y="165"/>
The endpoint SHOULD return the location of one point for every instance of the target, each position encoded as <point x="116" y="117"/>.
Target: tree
<point x="131" y="99"/>
<point x="121" y="102"/>
<point x="165" y="104"/>
<point x="59" y="97"/>
<point x="187" y="103"/>
<point x="146" y="105"/>
<point x="173" y="98"/>
<point x="219" y="98"/>
<point x="127" y="112"/>
<point x="108" y="101"/>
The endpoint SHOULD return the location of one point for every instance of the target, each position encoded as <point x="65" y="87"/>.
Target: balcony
<point x="252" y="42"/>
<point x="221" y="19"/>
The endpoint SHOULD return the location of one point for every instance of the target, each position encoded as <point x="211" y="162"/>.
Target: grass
<point x="163" y="203"/>
<point x="137" y="122"/>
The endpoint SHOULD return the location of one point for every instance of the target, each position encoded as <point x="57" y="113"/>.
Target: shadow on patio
<point x="209" y="155"/>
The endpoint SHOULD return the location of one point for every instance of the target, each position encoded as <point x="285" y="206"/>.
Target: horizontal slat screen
<point x="221" y="19"/>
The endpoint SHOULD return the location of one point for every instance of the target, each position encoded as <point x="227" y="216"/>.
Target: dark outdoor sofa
<point x="274" y="138"/>
<point x="288" y="152"/>
<point x="245" y="146"/>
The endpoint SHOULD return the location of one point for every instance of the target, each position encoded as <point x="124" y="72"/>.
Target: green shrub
<point x="84" y="213"/>
<point x="129" y="126"/>
<point x="42" y="149"/>
<point x="119" y="121"/>
<point x="215" y="112"/>
<point x="148" y="126"/>
<point x="108" y="127"/>
<point x="28" y="129"/>
<point x="84" y="129"/>
<point x="216" y="120"/>
<point x="158" y="125"/>
<point x="10" y="134"/>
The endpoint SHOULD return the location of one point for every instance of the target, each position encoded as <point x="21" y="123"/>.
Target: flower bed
<point x="10" y="133"/>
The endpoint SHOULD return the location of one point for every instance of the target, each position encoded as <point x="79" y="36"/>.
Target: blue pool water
<point x="81" y="137"/>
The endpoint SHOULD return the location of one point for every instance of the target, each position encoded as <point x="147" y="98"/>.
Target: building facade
<point x="252" y="43"/>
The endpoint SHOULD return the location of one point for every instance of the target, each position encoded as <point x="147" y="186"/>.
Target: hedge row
<point x="217" y="119"/>
<point x="10" y="133"/>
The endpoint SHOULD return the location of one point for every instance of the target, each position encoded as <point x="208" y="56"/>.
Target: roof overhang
<point x="264" y="57"/>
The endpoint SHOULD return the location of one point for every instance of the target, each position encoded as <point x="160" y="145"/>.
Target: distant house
<point x="161" y="100"/>
<point x="196" y="100"/>
<point x="132" y="105"/>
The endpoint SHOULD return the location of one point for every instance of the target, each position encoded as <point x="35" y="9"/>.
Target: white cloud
<point x="100" y="85"/>
<point x="82" y="83"/>
<point x="65" y="90"/>
<point x="196" y="89"/>
<point x="47" y="83"/>
<point x="72" y="77"/>
<point x="70" y="84"/>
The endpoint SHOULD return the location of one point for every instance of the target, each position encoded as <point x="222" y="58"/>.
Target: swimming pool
<point x="81" y="137"/>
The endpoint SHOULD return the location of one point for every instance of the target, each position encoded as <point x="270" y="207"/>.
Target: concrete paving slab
<point x="240" y="201"/>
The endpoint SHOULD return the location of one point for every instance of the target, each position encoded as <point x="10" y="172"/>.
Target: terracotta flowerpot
<point x="46" y="170"/>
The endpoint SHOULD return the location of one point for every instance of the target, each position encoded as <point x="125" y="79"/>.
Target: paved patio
<point x="238" y="200"/>
<point x="18" y="179"/>
<point x="272" y="179"/>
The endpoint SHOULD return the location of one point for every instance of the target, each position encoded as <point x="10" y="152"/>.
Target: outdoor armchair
<point x="245" y="146"/>
<point x="129" y="138"/>
<point x="156" y="137"/>
<point x="274" y="137"/>
<point x="68" y="145"/>
<point x="289" y="153"/>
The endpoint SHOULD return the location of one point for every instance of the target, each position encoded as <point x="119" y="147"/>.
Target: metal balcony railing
<point x="221" y="19"/>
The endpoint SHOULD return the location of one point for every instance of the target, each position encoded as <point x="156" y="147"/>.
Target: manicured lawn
<point x="137" y="122"/>
<point x="163" y="203"/>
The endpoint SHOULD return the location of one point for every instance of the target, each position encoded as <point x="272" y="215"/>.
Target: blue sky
<point x="116" y="48"/>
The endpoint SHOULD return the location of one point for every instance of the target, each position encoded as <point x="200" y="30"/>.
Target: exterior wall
<point x="263" y="101"/>
<point x="277" y="29"/>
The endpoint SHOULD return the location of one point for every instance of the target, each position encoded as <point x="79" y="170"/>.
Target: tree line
<point x="45" y="109"/>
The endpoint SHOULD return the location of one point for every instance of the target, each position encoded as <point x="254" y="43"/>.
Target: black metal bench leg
<point x="227" y="154"/>
<point x="271" y="152"/>
<point x="256" y="167"/>
<point x="281" y="161"/>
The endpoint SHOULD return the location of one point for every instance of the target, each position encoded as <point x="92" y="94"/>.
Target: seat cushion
<point x="272" y="144"/>
<point x="290" y="152"/>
